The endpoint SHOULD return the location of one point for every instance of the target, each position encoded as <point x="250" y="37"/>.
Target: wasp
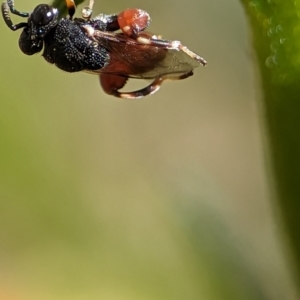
<point x="115" y="47"/>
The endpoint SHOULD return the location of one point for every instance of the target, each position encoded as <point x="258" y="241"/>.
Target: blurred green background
<point x="161" y="198"/>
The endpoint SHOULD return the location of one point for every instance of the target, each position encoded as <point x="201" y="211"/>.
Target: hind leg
<point x="111" y="85"/>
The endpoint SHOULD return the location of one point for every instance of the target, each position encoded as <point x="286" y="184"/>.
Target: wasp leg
<point x="148" y="90"/>
<point x="130" y="21"/>
<point x="6" y="8"/>
<point x="112" y="83"/>
<point x="102" y="22"/>
<point x="112" y="22"/>
<point x="109" y="22"/>
<point x="71" y="8"/>
<point x="87" y="11"/>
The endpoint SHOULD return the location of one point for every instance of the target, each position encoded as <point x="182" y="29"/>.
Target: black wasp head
<point x="40" y="22"/>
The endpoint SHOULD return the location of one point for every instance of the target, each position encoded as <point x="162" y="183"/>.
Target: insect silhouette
<point x="115" y="47"/>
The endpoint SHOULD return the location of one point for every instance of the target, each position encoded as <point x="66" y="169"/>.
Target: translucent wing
<point x="131" y="58"/>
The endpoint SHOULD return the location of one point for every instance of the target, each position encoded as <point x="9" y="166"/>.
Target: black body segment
<point x="70" y="49"/>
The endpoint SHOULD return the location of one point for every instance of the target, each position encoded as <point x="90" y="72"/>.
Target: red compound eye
<point x="132" y="21"/>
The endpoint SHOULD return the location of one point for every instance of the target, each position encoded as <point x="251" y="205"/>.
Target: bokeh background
<point x="167" y="197"/>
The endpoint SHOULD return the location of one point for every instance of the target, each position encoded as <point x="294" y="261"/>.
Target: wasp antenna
<point x="5" y="8"/>
<point x="71" y="7"/>
<point x="12" y="9"/>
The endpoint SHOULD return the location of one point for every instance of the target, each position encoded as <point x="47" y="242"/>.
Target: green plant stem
<point x="275" y="28"/>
